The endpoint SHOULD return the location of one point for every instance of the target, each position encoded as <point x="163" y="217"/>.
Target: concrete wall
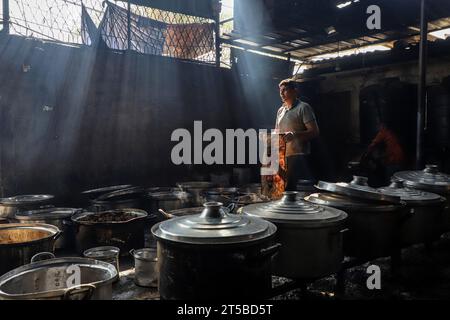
<point x="73" y="118"/>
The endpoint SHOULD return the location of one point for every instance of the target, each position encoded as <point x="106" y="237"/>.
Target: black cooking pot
<point x="122" y="228"/>
<point x="132" y="197"/>
<point x="215" y="255"/>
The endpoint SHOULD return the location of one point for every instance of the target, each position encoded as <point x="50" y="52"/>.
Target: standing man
<point x="296" y="120"/>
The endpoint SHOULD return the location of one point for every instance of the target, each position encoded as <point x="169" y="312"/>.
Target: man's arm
<point x="312" y="131"/>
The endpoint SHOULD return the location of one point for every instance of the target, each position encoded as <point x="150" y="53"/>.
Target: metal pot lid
<point x="132" y="192"/>
<point x="292" y="210"/>
<point x="195" y="185"/>
<point x="398" y="189"/>
<point x="348" y="203"/>
<point x="429" y="179"/>
<point x="102" y="252"/>
<point x="171" y="195"/>
<point x="357" y="188"/>
<point x="28" y="199"/>
<point x="107" y="189"/>
<point x="47" y="213"/>
<point x="214" y="226"/>
<point x="230" y="191"/>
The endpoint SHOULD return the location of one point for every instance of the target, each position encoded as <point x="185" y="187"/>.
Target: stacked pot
<point x="12" y="205"/>
<point x="132" y="197"/>
<point x="197" y="189"/>
<point x="214" y="255"/>
<point x="374" y="219"/>
<point x="311" y="236"/>
<point x="431" y="180"/>
<point x="425" y="213"/>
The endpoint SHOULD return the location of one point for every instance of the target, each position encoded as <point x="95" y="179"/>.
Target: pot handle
<point x="42" y="256"/>
<point x="164" y="214"/>
<point x="231" y="207"/>
<point x="88" y="289"/>
<point x="270" y="251"/>
<point x="132" y="252"/>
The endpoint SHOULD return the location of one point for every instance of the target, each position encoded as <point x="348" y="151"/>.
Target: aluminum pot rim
<point x="43" y="198"/>
<point x="34" y="215"/>
<point x="141" y="214"/>
<point x="58" y="292"/>
<point x="49" y="227"/>
<point x="213" y="243"/>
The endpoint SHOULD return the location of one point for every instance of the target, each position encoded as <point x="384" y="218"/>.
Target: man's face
<point x="287" y="94"/>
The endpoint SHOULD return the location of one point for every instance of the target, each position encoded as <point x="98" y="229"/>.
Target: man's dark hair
<point x="288" y="83"/>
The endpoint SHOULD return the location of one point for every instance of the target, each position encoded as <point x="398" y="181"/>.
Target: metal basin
<point x="51" y="280"/>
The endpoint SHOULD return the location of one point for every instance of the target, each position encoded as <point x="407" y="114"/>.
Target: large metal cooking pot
<point x="425" y="218"/>
<point x="196" y="188"/>
<point x="20" y="241"/>
<point x="12" y="205"/>
<point x="132" y="197"/>
<point x="214" y="255"/>
<point x="51" y="280"/>
<point x="374" y="219"/>
<point x="169" y="200"/>
<point x="122" y="228"/>
<point x="311" y="236"/>
<point x="251" y="188"/>
<point x="59" y="217"/>
<point x="431" y="180"/>
<point x="223" y="195"/>
<point x="95" y="193"/>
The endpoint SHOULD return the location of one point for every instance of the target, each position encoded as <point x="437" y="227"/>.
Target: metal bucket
<point x="146" y="271"/>
<point x="107" y="254"/>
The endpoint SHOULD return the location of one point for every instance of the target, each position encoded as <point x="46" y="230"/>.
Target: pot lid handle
<point x="396" y="183"/>
<point x="360" y="181"/>
<point x="431" y="168"/>
<point x="290" y="196"/>
<point x="212" y="211"/>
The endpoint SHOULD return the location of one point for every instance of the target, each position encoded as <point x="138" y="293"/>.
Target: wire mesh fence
<point x="109" y="24"/>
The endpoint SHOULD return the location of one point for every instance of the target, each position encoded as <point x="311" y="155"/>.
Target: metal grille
<point x="152" y="31"/>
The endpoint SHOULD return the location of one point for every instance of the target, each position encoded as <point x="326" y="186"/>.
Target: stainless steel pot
<point x="53" y="280"/>
<point x="431" y="180"/>
<point x="311" y="236"/>
<point x="223" y="195"/>
<point x="20" y="241"/>
<point x="214" y="255"/>
<point x="374" y="218"/>
<point x="145" y="267"/>
<point x="132" y="197"/>
<point x="122" y="228"/>
<point x="12" y="205"/>
<point x="169" y="200"/>
<point x="425" y="213"/>
<point x="59" y="217"/>
<point x="107" y="254"/>
<point x="95" y="193"/>
<point x="196" y="188"/>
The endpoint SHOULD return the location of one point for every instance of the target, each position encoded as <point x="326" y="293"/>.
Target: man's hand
<point x="288" y="136"/>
